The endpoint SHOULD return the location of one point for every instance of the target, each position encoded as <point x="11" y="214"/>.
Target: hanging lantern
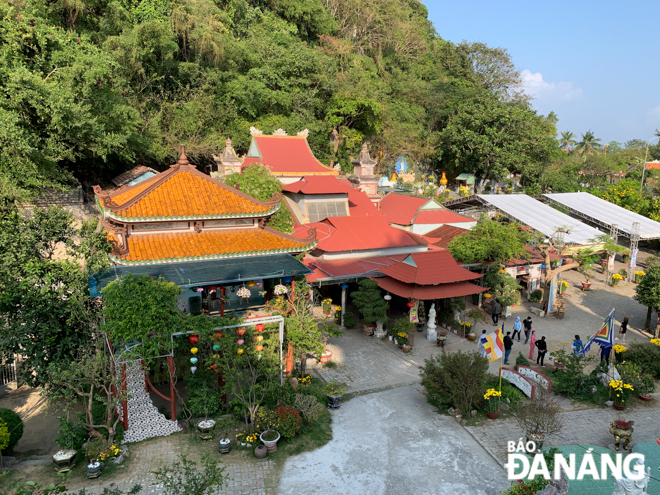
<point x="241" y="331"/>
<point x="286" y="280"/>
<point x="251" y="283"/>
<point x="193" y="360"/>
<point x="259" y="357"/>
<point x="194" y="350"/>
<point x="193" y="369"/>
<point x="411" y="304"/>
<point x="240" y="351"/>
<point x="240" y="342"/>
<point x="344" y="286"/>
<point x="193" y="339"/>
<point x="387" y="297"/>
<point x="260" y="327"/>
<point x="258" y="338"/>
<point x="259" y="348"/>
<point x="214" y="367"/>
<point x="218" y="335"/>
<point x="216" y="347"/>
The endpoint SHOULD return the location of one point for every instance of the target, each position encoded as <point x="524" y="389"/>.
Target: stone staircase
<point x="144" y="420"/>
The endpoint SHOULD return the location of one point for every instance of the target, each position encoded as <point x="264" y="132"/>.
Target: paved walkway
<point x="584" y="427"/>
<point x="394" y="442"/>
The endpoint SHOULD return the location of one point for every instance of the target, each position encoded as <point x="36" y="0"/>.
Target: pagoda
<point x="363" y="169"/>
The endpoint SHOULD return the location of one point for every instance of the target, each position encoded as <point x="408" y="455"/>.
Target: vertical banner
<point x="610" y="263"/>
<point x="414" y="311"/>
<point x="633" y="258"/>
<point x="553" y="295"/>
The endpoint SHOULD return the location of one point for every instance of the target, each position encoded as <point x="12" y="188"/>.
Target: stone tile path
<point x="584" y="427"/>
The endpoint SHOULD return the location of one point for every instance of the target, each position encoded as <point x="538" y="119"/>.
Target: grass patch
<point x="331" y="365"/>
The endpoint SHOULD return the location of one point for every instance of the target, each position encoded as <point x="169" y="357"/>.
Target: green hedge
<point x="14" y="425"/>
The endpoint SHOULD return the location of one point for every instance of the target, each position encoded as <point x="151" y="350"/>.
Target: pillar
<point x="222" y="300"/>
<point x="124" y="403"/>
<point x="170" y="365"/>
<point x="343" y="303"/>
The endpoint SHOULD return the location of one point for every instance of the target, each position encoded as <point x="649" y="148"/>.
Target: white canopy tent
<point x="606" y="214"/>
<point x="541" y="217"/>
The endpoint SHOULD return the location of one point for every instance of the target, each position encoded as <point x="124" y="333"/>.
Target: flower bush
<point x="646" y="355"/>
<point x="289" y="421"/>
<point x="401" y="338"/>
<point x="616" y="276"/>
<point x="99" y="450"/>
<point x="618" y="348"/>
<point x="655" y="341"/>
<point x="622" y="391"/>
<point x="243" y="292"/>
<point x="280" y="290"/>
<point x="492" y="398"/>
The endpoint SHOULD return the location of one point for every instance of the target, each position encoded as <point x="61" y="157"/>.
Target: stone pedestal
<point x="431" y="334"/>
<point x="380" y="332"/>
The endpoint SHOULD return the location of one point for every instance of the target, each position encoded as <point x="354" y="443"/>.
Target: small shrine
<point x="363" y="169"/>
<point x="228" y="161"/>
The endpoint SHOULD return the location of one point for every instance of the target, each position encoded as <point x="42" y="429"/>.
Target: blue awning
<point x="211" y="272"/>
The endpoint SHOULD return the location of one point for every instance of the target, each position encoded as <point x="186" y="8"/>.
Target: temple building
<point x="289" y="158"/>
<point x="199" y="233"/>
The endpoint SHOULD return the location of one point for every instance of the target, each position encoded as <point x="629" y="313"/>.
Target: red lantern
<point x="214" y="367"/>
<point x="241" y="331"/>
<point x="411" y="305"/>
<point x="193" y="339"/>
<point x="240" y="342"/>
<point x="218" y="335"/>
<point x="259" y="348"/>
<point x="260" y="327"/>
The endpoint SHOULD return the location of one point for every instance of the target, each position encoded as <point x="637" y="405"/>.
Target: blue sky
<point x="594" y="63"/>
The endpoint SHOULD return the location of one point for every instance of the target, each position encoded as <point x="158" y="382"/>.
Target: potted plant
<point x="349" y="320"/>
<point x="224" y="444"/>
<point x="327" y="305"/>
<point x="71" y="436"/>
<point x="334" y="391"/>
<point x="202" y="402"/>
<point x="326" y="332"/>
<point x="270" y="438"/>
<point x="638" y="276"/>
<point x="616" y="278"/>
<point x="621" y="392"/>
<point x="372" y="307"/>
<point x="280" y="290"/>
<point x="391" y="332"/>
<point x="402" y="328"/>
<point x="625" y="256"/>
<point x="563" y="285"/>
<point x="539" y="417"/>
<point x="492" y="398"/>
<point x="645" y="386"/>
<point x="588" y="274"/>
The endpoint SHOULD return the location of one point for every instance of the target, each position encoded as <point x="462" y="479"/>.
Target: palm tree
<point x="588" y="144"/>
<point x="567" y="140"/>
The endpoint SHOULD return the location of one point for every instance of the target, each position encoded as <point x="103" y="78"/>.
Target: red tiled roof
<point x="347" y="267"/>
<point x="182" y="192"/>
<point x="290" y="155"/>
<point x="439" y="216"/>
<point x="427" y="292"/>
<point x="319" y="184"/>
<point x="250" y="160"/>
<point x="442" y="236"/>
<point x="534" y="256"/>
<point x="401" y="209"/>
<point x="356" y="233"/>
<point x="429" y="268"/>
<point x="652" y="165"/>
<point x="208" y="244"/>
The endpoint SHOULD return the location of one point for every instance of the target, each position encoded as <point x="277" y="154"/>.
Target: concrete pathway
<point x="394" y="442"/>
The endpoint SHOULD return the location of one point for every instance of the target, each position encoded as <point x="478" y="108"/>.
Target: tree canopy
<point x="490" y="240"/>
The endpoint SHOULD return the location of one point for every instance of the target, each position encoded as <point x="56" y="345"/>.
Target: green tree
<point x="567" y="140"/>
<point x="647" y="292"/>
<point x="257" y="181"/>
<point x="302" y="329"/>
<point x="490" y="240"/>
<point x="45" y="263"/>
<point x="588" y="144"/>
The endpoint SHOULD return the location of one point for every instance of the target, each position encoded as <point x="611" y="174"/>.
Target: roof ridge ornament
<point x="279" y="132"/>
<point x="183" y="159"/>
<point x="255" y="132"/>
<point x="304" y="133"/>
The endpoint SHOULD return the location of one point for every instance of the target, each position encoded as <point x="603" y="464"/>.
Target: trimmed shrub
<point x="15" y="426"/>
<point x="521" y="360"/>
<point x="646" y="356"/>
<point x="289" y="421"/>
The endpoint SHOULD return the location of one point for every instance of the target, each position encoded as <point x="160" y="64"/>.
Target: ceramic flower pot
<point x="493" y="415"/>
<point x="260" y="451"/>
<point x="326" y="357"/>
<point x="619" y="407"/>
<point x="224" y="445"/>
<point x="645" y="397"/>
<point x="64" y="460"/>
<point x="271" y="445"/>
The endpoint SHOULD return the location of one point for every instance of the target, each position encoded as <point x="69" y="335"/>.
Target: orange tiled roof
<point x="165" y="247"/>
<point x="182" y="192"/>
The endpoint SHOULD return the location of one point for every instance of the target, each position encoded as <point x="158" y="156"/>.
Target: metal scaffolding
<point x="634" y="243"/>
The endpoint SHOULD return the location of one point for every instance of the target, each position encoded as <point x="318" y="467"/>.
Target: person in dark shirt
<point x="527" y="323"/>
<point x="623" y="330"/>
<point x="605" y="355"/>
<point x="542" y="347"/>
<point x="495" y="312"/>
<point x="508" y="343"/>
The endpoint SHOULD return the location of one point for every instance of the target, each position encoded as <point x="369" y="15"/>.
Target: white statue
<point x="627" y="486"/>
<point x="431" y="334"/>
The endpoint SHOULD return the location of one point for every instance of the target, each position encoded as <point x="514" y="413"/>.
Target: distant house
<point x="420" y="215"/>
<point x="134" y="176"/>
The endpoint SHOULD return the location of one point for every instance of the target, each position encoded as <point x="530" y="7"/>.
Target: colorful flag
<point x="604" y="336"/>
<point x="494" y="345"/>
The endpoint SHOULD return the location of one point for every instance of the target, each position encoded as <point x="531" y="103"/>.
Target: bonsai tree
<point x="328" y="331"/>
<point x="334" y="389"/>
<point x="372" y="307"/>
<point x="539" y="417"/>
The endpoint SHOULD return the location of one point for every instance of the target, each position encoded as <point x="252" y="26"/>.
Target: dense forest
<point x="94" y="87"/>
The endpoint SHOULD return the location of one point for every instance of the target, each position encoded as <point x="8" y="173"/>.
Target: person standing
<point x="542" y="346"/>
<point x="623" y="330"/>
<point x="482" y="341"/>
<point x="605" y="355"/>
<point x="496" y="312"/>
<point x="527" y="323"/>
<point x="517" y="327"/>
<point x="508" y="344"/>
<point x="577" y="345"/>
<point x="532" y="344"/>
